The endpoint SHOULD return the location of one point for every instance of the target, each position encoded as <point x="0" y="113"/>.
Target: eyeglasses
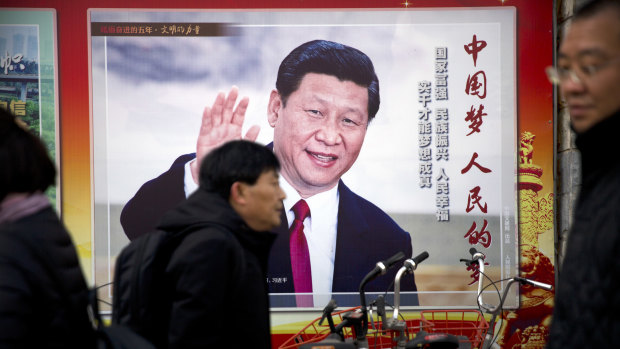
<point x="557" y="75"/>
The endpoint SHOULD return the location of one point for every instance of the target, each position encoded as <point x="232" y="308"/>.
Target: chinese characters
<point x="10" y="62"/>
<point x="476" y="87"/>
<point x="442" y="135"/>
<point x="160" y="29"/>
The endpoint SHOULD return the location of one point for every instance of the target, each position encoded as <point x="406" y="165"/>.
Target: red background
<point x="534" y="52"/>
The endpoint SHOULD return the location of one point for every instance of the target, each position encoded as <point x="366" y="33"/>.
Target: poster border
<point x="46" y="20"/>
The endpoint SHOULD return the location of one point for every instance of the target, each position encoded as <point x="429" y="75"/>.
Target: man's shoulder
<point x="352" y="205"/>
<point x="183" y="159"/>
<point x="209" y="242"/>
<point x="602" y="193"/>
<point x="177" y="169"/>
<point x="209" y="232"/>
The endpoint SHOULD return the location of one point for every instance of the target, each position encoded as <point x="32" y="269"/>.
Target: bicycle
<point x="436" y="328"/>
<point x="495" y="311"/>
<point x="353" y="329"/>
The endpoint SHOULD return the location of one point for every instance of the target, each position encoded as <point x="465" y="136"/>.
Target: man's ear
<point x="237" y="193"/>
<point x="274" y="107"/>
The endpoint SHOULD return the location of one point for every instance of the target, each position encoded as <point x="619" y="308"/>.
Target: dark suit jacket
<point x="365" y="236"/>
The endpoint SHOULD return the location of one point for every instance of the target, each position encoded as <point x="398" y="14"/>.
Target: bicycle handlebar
<point x="409" y="266"/>
<point x="538" y="284"/>
<point x="419" y="259"/>
<point x="478" y="257"/>
<point x="380" y="269"/>
<point x="327" y="313"/>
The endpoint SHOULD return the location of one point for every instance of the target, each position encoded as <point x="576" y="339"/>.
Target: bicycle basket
<point x="465" y="323"/>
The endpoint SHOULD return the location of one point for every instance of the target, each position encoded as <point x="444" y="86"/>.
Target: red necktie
<point x="300" y="256"/>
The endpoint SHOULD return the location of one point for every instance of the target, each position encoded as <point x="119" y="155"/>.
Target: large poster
<point x="440" y="157"/>
<point x="28" y="81"/>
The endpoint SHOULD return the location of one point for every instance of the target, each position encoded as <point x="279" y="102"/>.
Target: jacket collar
<point x="204" y="208"/>
<point x="598" y="146"/>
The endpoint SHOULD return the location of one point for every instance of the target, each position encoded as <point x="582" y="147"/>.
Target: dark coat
<point x="35" y="310"/>
<point x="218" y="273"/>
<point x="587" y="300"/>
<point x="365" y="235"/>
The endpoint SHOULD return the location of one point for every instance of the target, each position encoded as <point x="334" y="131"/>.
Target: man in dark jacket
<point x="588" y="294"/>
<point x="219" y="270"/>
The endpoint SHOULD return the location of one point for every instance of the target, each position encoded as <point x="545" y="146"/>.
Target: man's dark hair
<point x="235" y="161"/>
<point x="594" y="7"/>
<point x="25" y="166"/>
<point x="331" y="58"/>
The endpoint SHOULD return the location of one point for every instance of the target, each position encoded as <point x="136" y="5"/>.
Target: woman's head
<point x="25" y="166"/>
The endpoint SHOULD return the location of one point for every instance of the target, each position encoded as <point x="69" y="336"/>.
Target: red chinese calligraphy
<point x="475" y="118"/>
<point x="475" y="87"/>
<point x="474" y="47"/>
<point x="475" y="272"/>
<point x="482" y="237"/>
<point x="474" y="199"/>
<point x="473" y="162"/>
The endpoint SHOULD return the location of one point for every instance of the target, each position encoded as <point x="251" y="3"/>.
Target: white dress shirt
<point x="189" y="185"/>
<point x="320" y="231"/>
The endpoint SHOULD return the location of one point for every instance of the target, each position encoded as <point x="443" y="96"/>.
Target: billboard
<point x="440" y="158"/>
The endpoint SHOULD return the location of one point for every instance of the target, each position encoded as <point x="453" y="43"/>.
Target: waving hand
<point x="222" y="122"/>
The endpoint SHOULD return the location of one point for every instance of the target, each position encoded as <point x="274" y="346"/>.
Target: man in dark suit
<point x="326" y="95"/>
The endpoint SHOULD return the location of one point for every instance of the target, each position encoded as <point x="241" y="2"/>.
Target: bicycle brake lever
<point x="534" y="283"/>
<point x="329" y="308"/>
<point x="466" y="261"/>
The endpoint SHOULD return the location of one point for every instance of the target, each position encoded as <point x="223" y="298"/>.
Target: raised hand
<point x="222" y="122"/>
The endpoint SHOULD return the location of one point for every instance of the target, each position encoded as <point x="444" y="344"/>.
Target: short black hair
<point x="331" y="58"/>
<point x="594" y="7"/>
<point x="235" y="161"/>
<point x="25" y="165"/>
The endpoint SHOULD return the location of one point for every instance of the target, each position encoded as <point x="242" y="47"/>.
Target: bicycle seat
<point x="332" y="341"/>
<point x="424" y="339"/>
